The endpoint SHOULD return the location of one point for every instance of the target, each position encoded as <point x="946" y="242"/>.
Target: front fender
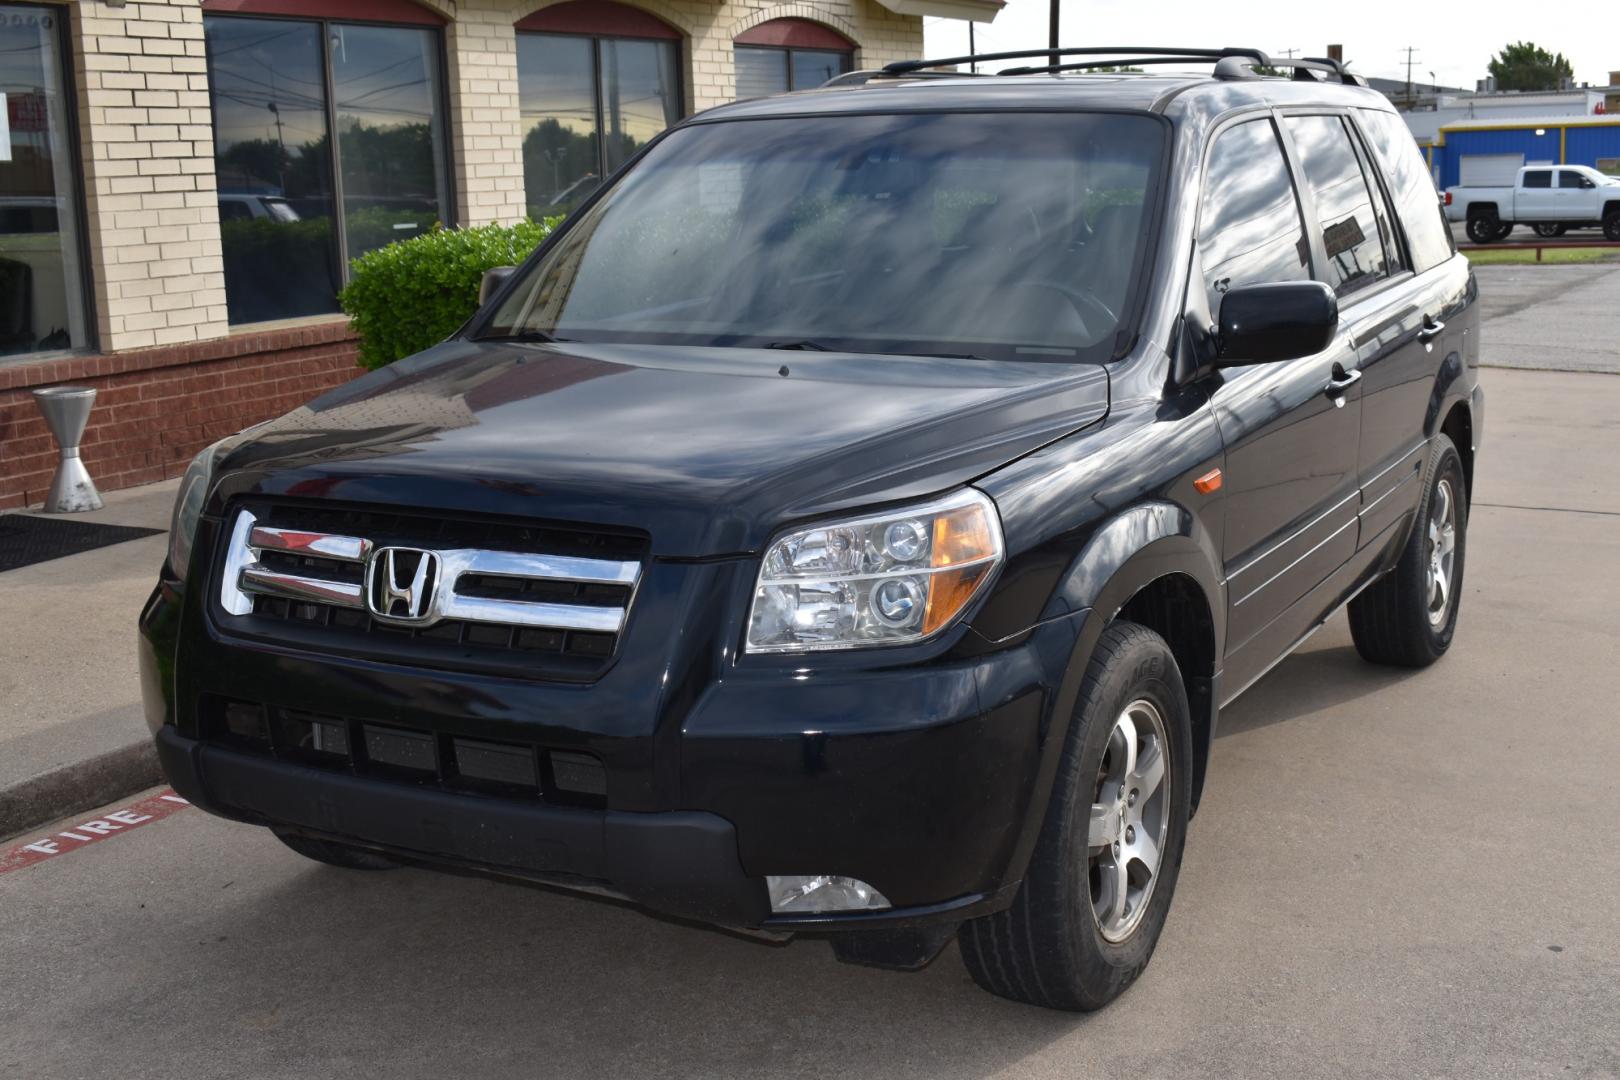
<point x="1149" y="541"/>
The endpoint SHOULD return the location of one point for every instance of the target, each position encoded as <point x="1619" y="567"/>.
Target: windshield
<point x="1006" y="235"/>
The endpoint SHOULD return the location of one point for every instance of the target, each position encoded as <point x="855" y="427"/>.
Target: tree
<point x="1526" y="66"/>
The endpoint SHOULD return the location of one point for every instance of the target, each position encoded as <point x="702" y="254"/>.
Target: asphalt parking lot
<point x="1393" y="874"/>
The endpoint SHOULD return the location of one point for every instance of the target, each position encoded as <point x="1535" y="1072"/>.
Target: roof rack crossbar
<point x="906" y="67"/>
<point x="1091" y="65"/>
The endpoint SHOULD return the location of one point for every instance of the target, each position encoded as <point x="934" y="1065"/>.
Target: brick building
<point x="183" y="182"/>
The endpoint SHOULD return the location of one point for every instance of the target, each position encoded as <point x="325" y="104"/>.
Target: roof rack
<point x="1232" y="62"/>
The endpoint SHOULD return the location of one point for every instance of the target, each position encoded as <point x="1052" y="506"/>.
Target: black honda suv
<point x="853" y="518"/>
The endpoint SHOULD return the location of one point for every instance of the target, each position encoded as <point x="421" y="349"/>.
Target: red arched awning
<point x="598" y="17"/>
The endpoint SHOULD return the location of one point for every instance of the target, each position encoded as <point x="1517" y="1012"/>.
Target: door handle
<point x="1340" y="384"/>
<point x="1431" y="330"/>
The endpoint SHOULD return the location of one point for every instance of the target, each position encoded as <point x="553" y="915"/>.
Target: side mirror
<point x="1282" y="321"/>
<point x="1588" y="182"/>
<point x="494" y="278"/>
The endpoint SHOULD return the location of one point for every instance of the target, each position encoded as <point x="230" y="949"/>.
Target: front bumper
<point x="920" y="778"/>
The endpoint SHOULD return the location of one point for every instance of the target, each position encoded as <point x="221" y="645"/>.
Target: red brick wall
<point x="155" y="408"/>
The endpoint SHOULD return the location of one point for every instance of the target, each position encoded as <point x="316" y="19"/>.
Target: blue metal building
<point x="1489" y="152"/>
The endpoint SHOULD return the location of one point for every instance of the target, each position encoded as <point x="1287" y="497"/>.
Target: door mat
<point x="25" y="539"/>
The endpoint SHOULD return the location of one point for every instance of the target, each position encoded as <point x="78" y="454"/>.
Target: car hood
<point x="709" y="450"/>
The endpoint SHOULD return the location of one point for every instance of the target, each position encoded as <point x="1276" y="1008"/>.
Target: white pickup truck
<point x="1551" y="198"/>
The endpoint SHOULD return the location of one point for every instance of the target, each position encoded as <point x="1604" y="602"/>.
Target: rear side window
<point x="1538" y="178"/>
<point x="1411" y="188"/>
<point x="1344" y="206"/>
<point x="1249" y="227"/>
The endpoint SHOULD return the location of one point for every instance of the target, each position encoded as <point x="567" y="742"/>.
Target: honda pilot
<point x="852" y="520"/>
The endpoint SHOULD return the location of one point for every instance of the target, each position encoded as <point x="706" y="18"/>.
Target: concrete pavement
<point x="71" y="732"/>
<point x="1394" y="874"/>
<point x="1550" y="317"/>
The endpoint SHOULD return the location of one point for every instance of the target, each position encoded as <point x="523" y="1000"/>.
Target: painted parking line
<point x="114" y="823"/>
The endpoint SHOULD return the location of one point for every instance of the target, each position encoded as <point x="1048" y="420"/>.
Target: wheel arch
<point x="1451" y="413"/>
<point x="1459" y="427"/>
<point x="1155" y="564"/>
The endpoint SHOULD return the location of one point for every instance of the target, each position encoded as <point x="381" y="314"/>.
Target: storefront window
<point x="590" y="100"/>
<point x="292" y="212"/>
<point x="762" y="70"/>
<point x="41" y="273"/>
<point x="789" y="54"/>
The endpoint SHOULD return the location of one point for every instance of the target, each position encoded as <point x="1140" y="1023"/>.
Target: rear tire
<point x="1072" y="939"/>
<point x="1408" y="617"/>
<point x="1482" y="228"/>
<point x="334" y="854"/>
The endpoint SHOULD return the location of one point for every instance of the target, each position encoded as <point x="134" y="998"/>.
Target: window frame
<point x="599" y="116"/>
<point x="340" y="245"/>
<point x="1315" y="251"/>
<point x="788" y="51"/>
<point x="77" y="197"/>
<point x="1397" y="250"/>
<point x="1379" y="167"/>
<point x="1307" y="197"/>
<point x="1547" y="172"/>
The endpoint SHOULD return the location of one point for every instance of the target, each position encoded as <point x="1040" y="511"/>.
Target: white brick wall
<point x="148" y="149"/>
<point x="147" y="141"/>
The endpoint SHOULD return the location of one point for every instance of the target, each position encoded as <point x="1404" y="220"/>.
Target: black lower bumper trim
<point x="682" y="863"/>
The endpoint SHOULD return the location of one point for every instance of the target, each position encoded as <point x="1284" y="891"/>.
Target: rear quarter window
<point x="1411" y="188"/>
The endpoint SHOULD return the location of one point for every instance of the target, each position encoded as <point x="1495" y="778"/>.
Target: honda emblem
<point x="400" y="582"/>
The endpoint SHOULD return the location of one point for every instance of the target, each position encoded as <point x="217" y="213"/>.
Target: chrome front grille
<point x="417" y="589"/>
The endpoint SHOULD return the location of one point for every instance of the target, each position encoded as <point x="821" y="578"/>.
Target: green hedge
<point x="413" y="294"/>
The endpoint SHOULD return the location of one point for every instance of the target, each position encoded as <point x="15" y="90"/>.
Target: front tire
<point x="1611" y="225"/>
<point x="1483" y="228"/>
<point x="1098" y="889"/>
<point x="1549" y="232"/>
<point x="1408" y="617"/>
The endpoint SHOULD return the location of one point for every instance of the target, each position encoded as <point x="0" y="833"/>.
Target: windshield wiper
<point x="524" y="335"/>
<point x="805" y="345"/>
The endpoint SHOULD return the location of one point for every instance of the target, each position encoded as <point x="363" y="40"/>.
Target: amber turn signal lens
<point x="1209" y="482"/>
<point x="948" y="591"/>
<point x="963" y="535"/>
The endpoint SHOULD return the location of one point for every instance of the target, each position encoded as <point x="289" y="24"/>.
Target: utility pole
<point x="973" y="65"/>
<point x="1409" y="62"/>
<point x="1052" y="34"/>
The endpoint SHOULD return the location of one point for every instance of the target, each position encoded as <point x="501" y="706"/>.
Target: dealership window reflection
<point x="285" y="237"/>
<point x="763" y="69"/>
<point x="41" y="273"/>
<point x="588" y="105"/>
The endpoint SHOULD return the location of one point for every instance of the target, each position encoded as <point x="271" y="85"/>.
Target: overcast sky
<point x="1453" y="40"/>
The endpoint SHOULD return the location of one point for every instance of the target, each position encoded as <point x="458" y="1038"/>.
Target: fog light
<point x="808" y="894"/>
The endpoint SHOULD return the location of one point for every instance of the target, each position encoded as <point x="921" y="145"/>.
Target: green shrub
<point x="413" y="294"/>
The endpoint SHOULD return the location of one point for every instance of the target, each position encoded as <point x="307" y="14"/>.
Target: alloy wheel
<point x="1442" y="553"/>
<point x="1129" y="820"/>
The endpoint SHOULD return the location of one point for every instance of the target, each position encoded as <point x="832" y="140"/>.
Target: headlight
<point x="188" y="506"/>
<point x="887" y="579"/>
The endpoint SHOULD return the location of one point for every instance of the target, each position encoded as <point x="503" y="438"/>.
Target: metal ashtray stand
<point x="67" y="410"/>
